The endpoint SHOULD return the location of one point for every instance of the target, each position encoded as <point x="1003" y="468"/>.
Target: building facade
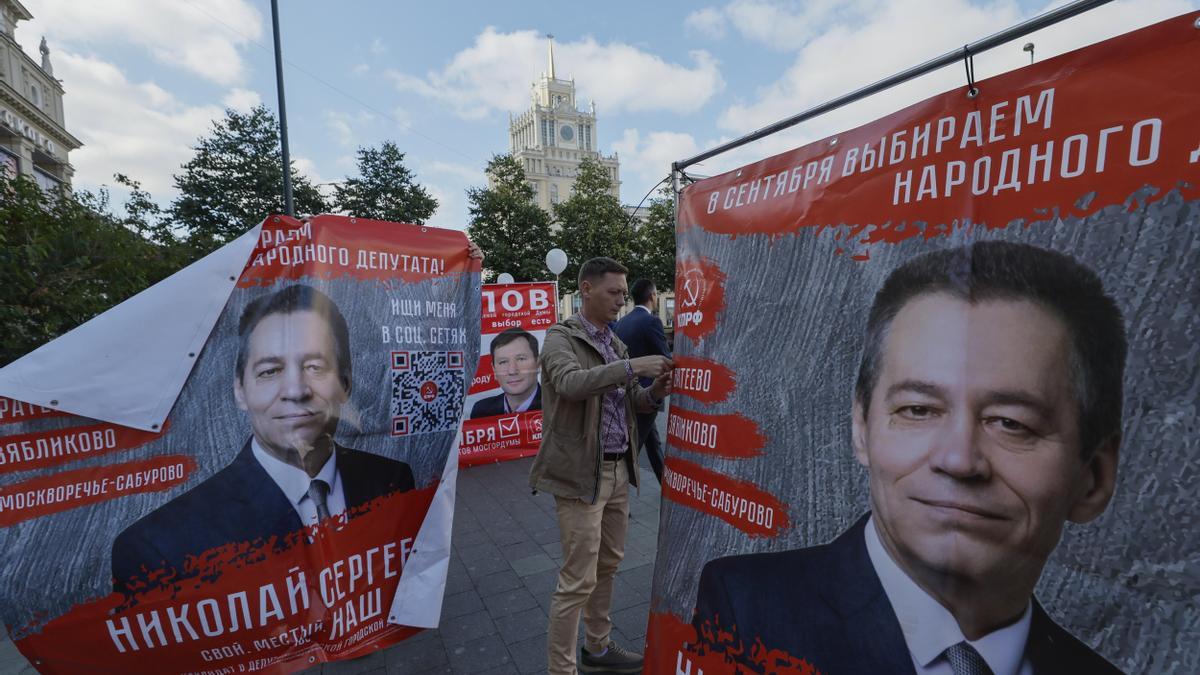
<point x="34" y="141"/>
<point x="553" y="136"/>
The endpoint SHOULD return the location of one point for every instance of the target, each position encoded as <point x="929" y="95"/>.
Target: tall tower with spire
<point x="34" y="141"/>
<point x="554" y="135"/>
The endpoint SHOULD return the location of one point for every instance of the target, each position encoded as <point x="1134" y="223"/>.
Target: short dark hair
<point x="598" y="267"/>
<point x="997" y="270"/>
<point x="296" y="298"/>
<point x="510" y="335"/>
<point x="641" y="290"/>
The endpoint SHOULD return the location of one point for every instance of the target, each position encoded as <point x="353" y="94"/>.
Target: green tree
<point x="67" y="258"/>
<point x="385" y="189"/>
<point x="235" y="180"/>
<point x="592" y="223"/>
<point x="512" y="230"/>
<point x="654" y="244"/>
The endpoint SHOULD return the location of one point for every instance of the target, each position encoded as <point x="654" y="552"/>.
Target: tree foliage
<point x="654" y="244"/>
<point x="235" y="180"/>
<point x="592" y="223"/>
<point x="385" y="189"/>
<point x="513" y="231"/>
<point x="66" y="258"/>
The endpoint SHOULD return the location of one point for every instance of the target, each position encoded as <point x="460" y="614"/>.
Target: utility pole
<point x="288" y="204"/>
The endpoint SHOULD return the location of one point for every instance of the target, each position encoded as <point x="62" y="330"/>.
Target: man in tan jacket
<point x="587" y="460"/>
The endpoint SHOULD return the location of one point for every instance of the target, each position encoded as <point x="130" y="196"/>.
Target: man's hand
<point x="650" y="366"/>
<point x="473" y="251"/>
<point x="662" y="386"/>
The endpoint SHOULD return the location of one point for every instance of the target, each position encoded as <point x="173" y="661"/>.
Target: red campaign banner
<point x="279" y="606"/>
<point x="674" y="646"/>
<point x="23" y="452"/>
<point x="732" y="436"/>
<point x="700" y="296"/>
<point x="335" y="246"/>
<point x="939" y="272"/>
<point x="12" y="411"/>
<point x="495" y="439"/>
<point x="740" y="503"/>
<point x="485" y="378"/>
<point x="265" y="528"/>
<point x="531" y="306"/>
<point x="702" y="380"/>
<point x="1026" y="147"/>
<point x="72" y="489"/>
<point x="502" y="418"/>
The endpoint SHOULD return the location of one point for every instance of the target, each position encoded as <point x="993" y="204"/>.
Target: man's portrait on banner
<point x="515" y="364"/>
<point x="987" y="413"/>
<point x="292" y="377"/>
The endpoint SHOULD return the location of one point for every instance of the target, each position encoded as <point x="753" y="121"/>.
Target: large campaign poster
<point x="502" y="417"/>
<point x="267" y="523"/>
<point x="936" y="365"/>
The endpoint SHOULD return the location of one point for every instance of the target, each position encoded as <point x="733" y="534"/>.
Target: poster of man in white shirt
<point x="515" y="364"/>
<point x="987" y="413"/>
<point x="292" y="377"/>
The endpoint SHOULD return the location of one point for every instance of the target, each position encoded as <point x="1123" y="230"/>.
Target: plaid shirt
<point x="614" y="437"/>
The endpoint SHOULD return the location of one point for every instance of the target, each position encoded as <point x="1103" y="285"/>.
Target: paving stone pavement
<point x="502" y="571"/>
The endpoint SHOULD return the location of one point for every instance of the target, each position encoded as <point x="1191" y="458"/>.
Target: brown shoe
<point x="615" y="660"/>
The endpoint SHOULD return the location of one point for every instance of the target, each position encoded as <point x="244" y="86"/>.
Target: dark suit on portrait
<point x="494" y="405"/>
<point x="826" y="605"/>
<point x="642" y="332"/>
<point x="240" y="503"/>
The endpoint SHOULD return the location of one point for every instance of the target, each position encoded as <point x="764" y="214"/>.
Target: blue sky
<point x="145" y="78"/>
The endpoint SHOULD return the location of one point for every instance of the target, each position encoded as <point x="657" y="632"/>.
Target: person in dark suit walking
<point x="987" y="412"/>
<point x="642" y="332"/>
<point x="292" y="376"/>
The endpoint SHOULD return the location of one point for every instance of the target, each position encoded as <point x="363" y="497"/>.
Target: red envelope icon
<point x="509" y="427"/>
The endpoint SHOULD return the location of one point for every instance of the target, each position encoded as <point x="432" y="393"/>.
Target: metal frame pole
<point x="288" y="205"/>
<point x="979" y="46"/>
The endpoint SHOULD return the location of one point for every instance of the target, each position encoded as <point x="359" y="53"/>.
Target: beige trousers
<point x="593" y="543"/>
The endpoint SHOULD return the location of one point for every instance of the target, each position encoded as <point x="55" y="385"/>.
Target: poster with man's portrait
<point x="267" y="522"/>
<point x="502" y="417"/>
<point x="936" y="388"/>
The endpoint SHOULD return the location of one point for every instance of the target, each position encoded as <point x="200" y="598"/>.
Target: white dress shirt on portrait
<point x="524" y="406"/>
<point x="294" y="483"/>
<point x="929" y="628"/>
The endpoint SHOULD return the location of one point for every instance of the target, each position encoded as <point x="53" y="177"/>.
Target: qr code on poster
<point x="427" y="392"/>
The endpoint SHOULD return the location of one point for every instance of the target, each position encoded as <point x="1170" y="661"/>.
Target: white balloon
<point x="556" y="260"/>
<point x="504" y="278"/>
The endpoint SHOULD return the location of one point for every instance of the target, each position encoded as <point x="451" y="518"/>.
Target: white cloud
<point x="401" y="119"/>
<point x="864" y="43"/>
<point x="242" y="100"/>
<point x="645" y="161"/>
<point x="496" y="71"/>
<point x="708" y="22"/>
<point x="470" y="174"/>
<point x="452" y="212"/>
<point x="360" y="69"/>
<point x="787" y="28"/>
<point x="343" y="125"/>
<point x="377" y="48"/>
<point x="308" y="168"/>
<point x="199" y="36"/>
<point x="135" y="128"/>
